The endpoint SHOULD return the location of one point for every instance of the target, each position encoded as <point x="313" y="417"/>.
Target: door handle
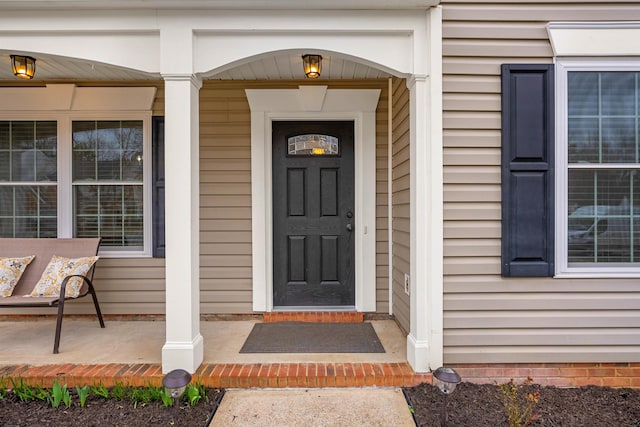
<point x="349" y="227"/>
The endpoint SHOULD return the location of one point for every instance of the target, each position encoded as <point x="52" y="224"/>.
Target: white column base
<point x="418" y="354"/>
<point x="183" y="355"/>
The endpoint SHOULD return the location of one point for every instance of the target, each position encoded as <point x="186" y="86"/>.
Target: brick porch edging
<point x="311" y="375"/>
<point x="266" y="375"/>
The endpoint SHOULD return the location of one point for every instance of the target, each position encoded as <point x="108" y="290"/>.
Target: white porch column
<point x="184" y="344"/>
<point x="424" y="343"/>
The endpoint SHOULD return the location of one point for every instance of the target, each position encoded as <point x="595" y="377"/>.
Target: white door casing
<point x="313" y="103"/>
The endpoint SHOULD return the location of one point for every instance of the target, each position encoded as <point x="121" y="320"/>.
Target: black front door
<point x="313" y="213"/>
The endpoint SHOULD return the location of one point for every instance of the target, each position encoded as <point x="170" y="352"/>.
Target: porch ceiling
<point x="283" y="66"/>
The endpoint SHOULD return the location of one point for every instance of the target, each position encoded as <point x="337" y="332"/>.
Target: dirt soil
<point x="482" y="406"/>
<point x="100" y="412"/>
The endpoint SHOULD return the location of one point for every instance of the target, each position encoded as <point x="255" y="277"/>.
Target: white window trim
<point x="563" y="66"/>
<point x="65" y="202"/>
<point x="65" y="103"/>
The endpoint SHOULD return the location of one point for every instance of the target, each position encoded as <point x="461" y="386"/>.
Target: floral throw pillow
<point x="59" y="268"/>
<point x="11" y="270"/>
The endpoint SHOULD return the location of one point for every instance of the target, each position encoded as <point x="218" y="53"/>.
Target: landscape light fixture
<point x="176" y="382"/>
<point x="312" y="65"/>
<point x="23" y="66"/>
<point x="446" y="379"/>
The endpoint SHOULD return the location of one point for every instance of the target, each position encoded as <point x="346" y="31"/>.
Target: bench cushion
<point x="11" y="270"/>
<point x="55" y="272"/>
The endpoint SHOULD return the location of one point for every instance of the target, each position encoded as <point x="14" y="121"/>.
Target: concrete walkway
<point x="353" y="407"/>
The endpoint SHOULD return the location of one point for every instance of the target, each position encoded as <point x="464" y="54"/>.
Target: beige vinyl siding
<point x="400" y="176"/>
<point x="488" y="318"/>
<point x="225" y="188"/>
<point x="225" y="199"/>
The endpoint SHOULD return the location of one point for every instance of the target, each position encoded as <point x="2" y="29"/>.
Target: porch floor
<point x="130" y="352"/>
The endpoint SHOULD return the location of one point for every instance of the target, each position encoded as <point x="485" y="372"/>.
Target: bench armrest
<point x="63" y="285"/>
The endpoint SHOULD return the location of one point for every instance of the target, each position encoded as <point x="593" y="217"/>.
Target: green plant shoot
<point x="60" y="394"/>
<point x="83" y="393"/>
<point x="100" y="390"/>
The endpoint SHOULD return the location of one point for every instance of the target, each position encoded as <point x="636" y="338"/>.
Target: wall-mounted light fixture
<point x="312" y="65"/>
<point x="23" y="66"/>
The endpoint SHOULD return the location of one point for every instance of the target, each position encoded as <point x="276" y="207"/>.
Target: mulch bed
<point x="471" y="405"/>
<point x="482" y="406"/>
<point x="100" y="412"/>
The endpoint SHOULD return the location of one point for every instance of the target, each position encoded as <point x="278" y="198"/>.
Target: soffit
<point x="284" y="66"/>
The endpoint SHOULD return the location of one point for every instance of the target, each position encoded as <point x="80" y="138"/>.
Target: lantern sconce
<point x="312" y="65"/>
<point x="23" y="66"/>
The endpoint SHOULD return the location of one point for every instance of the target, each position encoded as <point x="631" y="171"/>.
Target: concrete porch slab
<point x="130" y="352"/>
<point x="30" y="341"/>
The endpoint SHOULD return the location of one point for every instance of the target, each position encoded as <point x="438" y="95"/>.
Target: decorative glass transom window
<point x="313" y="145"/>
<point x="602" y="174"/>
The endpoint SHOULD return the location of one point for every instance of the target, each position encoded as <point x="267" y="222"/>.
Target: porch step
<point x="254" y="375"/>
<point x="314" y="316"/>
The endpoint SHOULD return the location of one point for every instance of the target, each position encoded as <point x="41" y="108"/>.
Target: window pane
<point x="601" y="223"/>
<point x="108" y="151"/>
<point x="28" y="211"/>
<point x="28" y="155"/>
<point x="583" y="94"/>
<point x="584" y="140"/>
<point x="603" y="117"/>
<point x="618" y="94"/>
<point x="618" y="140"/>
<point x="23" y="135"/>
<point x="84" y="165"/>
<point x="113" y="212"/>
<point x="4" y="135"/>
<point x="5" y="165"/>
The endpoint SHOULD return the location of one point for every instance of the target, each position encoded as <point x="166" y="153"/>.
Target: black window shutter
<point x="158" y="185"/>
<point x="527" y="170"/>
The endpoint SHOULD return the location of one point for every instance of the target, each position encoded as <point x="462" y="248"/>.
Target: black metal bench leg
<point x="56" y="342"/>
<point x="95" y="303"/>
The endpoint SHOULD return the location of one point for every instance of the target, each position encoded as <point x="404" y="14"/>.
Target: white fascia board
<point x="594" y="38"/>
<point x="138" y="50"/>
<point x="217" y="4"/>
<point x="380" y="38"/>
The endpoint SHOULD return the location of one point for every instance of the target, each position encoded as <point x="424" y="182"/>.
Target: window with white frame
<point x="71" y="176"/>
<point x="107" y="181"/>
<point x="598" y="167"/>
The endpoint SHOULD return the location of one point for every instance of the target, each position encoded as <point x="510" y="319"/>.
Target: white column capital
<point x="413" y="79"/>
<point x="195" y="80"/>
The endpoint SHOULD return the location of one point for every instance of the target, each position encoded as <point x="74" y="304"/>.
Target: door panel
<point x="313" y="205"/>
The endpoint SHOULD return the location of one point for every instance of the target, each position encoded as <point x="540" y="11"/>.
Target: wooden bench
<point x="44" y="249"/>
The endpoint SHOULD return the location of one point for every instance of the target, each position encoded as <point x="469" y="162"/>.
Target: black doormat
<point x="305" y="337"/>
